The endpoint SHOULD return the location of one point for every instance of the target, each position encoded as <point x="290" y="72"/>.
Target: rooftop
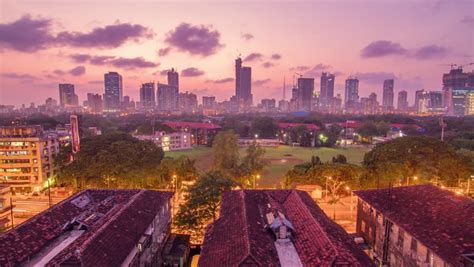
<point x="440" y="219"/>
<point x="84" y="229"/>
<point x="309" y="126"/>
<point x="243" y="234"/>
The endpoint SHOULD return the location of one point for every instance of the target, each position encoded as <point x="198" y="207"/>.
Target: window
<point x="413" y="245"/>
<point x="362" y="225"/>
<point x="401" y="237"/>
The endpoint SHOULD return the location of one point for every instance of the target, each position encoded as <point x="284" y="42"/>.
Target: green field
<point x="280" y="159"/>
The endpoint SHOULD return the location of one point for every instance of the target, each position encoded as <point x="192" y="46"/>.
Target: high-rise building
<point x="456" y="85"/>
<point x="305" y="93"/>
<point x="208" y="101"/>
<point x="418" y="95"/>
<point x="147" y="96"/>
<point x="351" y="95"/>
<point x="113" y="95"/>
<point x="369" y="104"/>
<point x="402" y="101"/>
<point x="268" y="104"/>
<point x="27" y="157"/>
<point x="388" y="95"/>
<point x="470" y="103"/>
<point x="67" y="95"/>
<point x="94" y="103"/>
<point x="173" y="78"/>
<point x="167" y="97"/>
<point x="188" y="102"/>
<point x="243" y="85"/>
<point x="327" y="90"/>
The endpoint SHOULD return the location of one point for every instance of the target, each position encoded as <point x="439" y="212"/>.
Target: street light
<point x="255" y="177"/>
<point x="415" y="178"/>
<point x="352" y="197"/>
<point x="330" y="178"/>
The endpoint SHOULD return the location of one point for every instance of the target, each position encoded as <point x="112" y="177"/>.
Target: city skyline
<point x="71" y="48"/>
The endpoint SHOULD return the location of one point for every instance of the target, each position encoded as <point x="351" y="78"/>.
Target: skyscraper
<point x="243" y="85"/>
<point x="402" y="102"/>
<point x="305" y="93"/>
<point x="456" y="86"/>
<point x="327" y="90"/>
<point x="351" y="95"/>
<point x="187" y="102"/>
<point x="67" y="95"/>
<point x="113" y="91"/>
<point x="167" y="97"/>
<point x="173" y="78"/>
<point x="94" y="103"/>
<point x="388" y="95"/>
<point x="147" y="95"/>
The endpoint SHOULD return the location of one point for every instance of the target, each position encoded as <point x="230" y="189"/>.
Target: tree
<point x="399" y="160"/>
<point x="332" y="134"/>
<point x="202" y="203"/>
<point x="113" y="160"/>
<point x="225" y="151"/>
<point x="382" y="128"/>
<point x="334" y="188"/>
<point x="339" y="159"/>
<point x="368" y="130"/>
<point x="252" y="163"/>
<point x="264" y="127"/>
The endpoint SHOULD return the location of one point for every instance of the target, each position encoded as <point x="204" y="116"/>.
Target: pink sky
<point x="43" y="43"/>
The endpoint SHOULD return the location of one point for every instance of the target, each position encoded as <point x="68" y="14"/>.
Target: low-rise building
<point x="168" y="141"/>
<point x="93" y="228"/>
<point x="5" y="207"/>
<point x="276" y="228"/>
<point x="421" y="225"/>
<point x="26" y="157"/>
<point x="201" y="133"/>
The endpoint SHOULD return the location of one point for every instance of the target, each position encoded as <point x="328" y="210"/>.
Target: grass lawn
<point x="281" y="159"/>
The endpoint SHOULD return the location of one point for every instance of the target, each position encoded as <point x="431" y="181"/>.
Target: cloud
<point x="224" y="80"/>
<point x="246" y="36"/>
<point x="29" y="35"/>
<point x="314" y="71"/>
<point x="374" y="77"/>
<point x="191" y="72"/>
<point x="110" y="36"/>
<point x="26" y="34"/>
<point x="195" y="40"/>
<point x="253" y="57"/>
<point x="276" y="56"/>
<point x="469" y="20"/>
<point x="59" y="72"/>
<point x="96" y="82"/>
<point x="382" y="48"/>
<point x="300" y="68"/>
<point x="261" y="82"/>
<point x="24" y="78"/>
<point x="121" y="62"/>
<point x="268" y="64"/>
<point x="78" y="71"/>
<point x="164" y="51"/>
<point x="431" y="51"/>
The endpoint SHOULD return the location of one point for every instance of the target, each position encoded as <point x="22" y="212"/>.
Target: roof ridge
<point x="247" y="241"/>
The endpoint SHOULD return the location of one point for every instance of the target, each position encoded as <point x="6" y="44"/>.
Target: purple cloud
<point x="26" y="34"/>
<point x="246" y="36"/>
<point x="431" y="51"/>
<point x="110" y="36"/>
<point x="195" y="40"/>
<point x="261" y="82"/>
<point x="22" y="77"/>
<point x="374" y="77"/>
<point x="59" y="72"/>
<point x="382" y="48"/>
<point x="78" y="71"/>
<point x="224" y="80"/>
<point x="300" y="68"/>
<point x="191" y="72"/>
<point x="268" y="64"/>
<point x="96" y="82"/>
<point x="253" y="57"/>
<point x="276" y="56"/>
<point x="469" y="20"/>
<point x="164" y="51"/>
<point x="125" y="63"/>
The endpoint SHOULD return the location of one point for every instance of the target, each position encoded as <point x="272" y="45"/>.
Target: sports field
<point x="280" y="159"/>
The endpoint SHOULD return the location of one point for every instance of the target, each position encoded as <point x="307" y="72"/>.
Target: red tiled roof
<point x="193" y="125"/>
<point x="239" y="236"/>
<point x="441" y="220"/>
<point x="107" y="240"/>
<point x="309" y="126"/>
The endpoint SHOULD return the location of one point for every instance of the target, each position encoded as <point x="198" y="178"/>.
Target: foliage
<point x="332" y="134"/>
<point x="113" y="160"/>
<point x="225" y="151"/>
<point x="339" y="158"/>
<point x="202" y="203"/>
<point x="264" y="127"/>
<point x="251" y="164"/>
<point x="426" y="158"/>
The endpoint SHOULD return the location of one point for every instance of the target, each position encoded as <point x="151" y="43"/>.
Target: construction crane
<point x="458" y="66"/>
<point x="299" y="74"/>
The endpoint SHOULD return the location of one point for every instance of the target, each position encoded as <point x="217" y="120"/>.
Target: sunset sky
<point x="43" y="43"/>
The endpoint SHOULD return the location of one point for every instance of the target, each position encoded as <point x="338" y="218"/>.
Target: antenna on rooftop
<point x="284" y="88"/>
